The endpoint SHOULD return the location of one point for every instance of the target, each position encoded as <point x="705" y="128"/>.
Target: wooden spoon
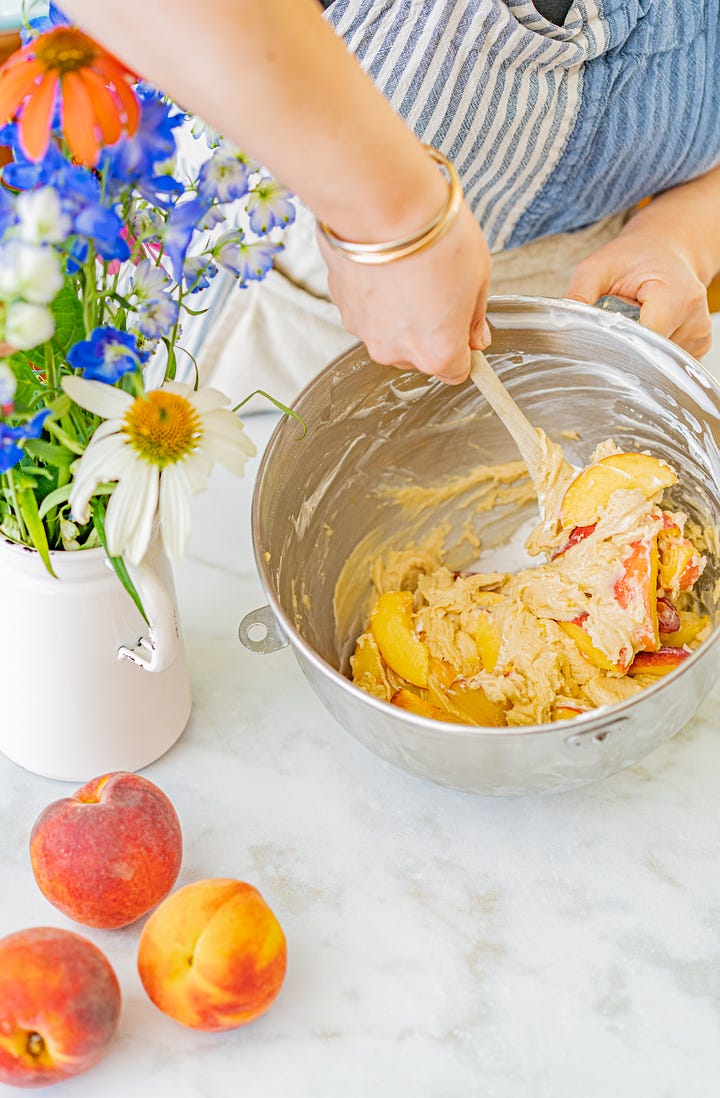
<point x="527" y="439"/>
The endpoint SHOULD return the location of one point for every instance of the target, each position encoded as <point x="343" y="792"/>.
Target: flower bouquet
<point x="108" y="245"/>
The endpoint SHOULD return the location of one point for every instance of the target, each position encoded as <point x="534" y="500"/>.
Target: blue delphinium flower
<point x="247" y="261"/>
<point x="138" y="160"/>
<point x="197" y="272"/>
<point x="157" y="317"/>
<point x="178" y="231"/>
<point x="42" y="23"/>
<point x="10" y="452"/>
<point x="106" y="356"/>
<point x="269" y="207"/>
<point x="225" y="176"/>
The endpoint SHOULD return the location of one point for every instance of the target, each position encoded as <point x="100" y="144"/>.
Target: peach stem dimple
<point x="35" y="1045"/>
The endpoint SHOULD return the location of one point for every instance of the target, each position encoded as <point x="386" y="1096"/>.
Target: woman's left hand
<point x="658" y="273"/>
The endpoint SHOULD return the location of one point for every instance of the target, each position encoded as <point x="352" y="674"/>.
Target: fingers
<point x="451" y="365"/>
<point x="590" y="280"/>
<point x="480" y="334"/>
<point x="679" y="313"/>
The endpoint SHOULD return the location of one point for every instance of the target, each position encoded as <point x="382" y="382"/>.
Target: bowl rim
<point x="587" y="722"/>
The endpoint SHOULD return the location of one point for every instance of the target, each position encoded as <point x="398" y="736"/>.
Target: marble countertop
<point x="440" y="945"/>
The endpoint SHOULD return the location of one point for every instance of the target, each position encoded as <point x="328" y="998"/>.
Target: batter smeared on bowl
<point x="611" y="610"/>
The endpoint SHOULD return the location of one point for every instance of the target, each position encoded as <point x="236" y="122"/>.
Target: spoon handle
<point x="526" y="437"/>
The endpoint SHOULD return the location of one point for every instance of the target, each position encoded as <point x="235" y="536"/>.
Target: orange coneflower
<point x="97" y="102"/>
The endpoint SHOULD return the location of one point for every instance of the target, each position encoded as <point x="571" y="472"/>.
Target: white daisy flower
<point x="159" y="448"/>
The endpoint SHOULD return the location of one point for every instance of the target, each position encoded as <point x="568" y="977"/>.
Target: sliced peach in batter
<point x="488" y="639"/>
<point x="690" y="625"/>
<point x="475" y="706"/>
<point x="636" y="591"/>
<point x="589" y="493"/>
<point x="413" y="703"/>
<point x="680" y="562"/>
<point x="576" y="633"/>
<point x="658" y="663"/>
<point x="566" y="712"/>
<point x="366" y="659"/>
<point x="401" y="648"/>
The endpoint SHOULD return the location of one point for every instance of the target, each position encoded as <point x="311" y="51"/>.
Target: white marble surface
<point x="440" y="945"/>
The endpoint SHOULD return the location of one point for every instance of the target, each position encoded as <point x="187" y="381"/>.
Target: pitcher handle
<point x="158" y="649"/>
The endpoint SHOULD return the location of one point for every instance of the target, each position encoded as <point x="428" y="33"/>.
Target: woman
<point x="557" y="129"/>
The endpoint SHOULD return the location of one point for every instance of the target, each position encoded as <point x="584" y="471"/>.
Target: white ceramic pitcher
<point x="86" y="686"/>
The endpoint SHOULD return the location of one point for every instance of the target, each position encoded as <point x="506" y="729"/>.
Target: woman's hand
<point x="659" y="274"/>
<point x="665" y="257"/>
<point x="425" y="311"/>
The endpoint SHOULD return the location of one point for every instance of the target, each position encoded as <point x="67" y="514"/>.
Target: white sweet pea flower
<point x="41" y="217"/>
<point x="27" y="325"/>
<point x="30" y="272"/>
<point x="159" y="448"/>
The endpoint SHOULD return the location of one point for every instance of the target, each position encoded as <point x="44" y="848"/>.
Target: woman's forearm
<point x="273" y="77"/>
<point x="690" y="215"/>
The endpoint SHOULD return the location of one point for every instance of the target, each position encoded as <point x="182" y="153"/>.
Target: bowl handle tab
<point x="594" y="737"/>
<point x="612" y="304"/>
<point x="273" y="637"/>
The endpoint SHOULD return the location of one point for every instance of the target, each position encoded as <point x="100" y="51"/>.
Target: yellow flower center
<point x="65" y="50"/>
<point x="163" y="427"/>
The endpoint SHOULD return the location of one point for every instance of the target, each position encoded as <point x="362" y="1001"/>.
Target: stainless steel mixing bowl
<point x="372" y="429"/>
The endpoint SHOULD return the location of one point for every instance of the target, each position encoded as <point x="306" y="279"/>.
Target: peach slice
<point x="367" y="661"/>
<point x="680" y="563"/>
<point x="636" y="591"/>
<point x="401" y="648"/>
<point x="475" y="706"/>
<point x="658" y="663"/>
<point x="576" y="633"/>
<point x="413" y="703"/>
<point x="589" y="493"/>
<point x="577" y="534"/>
<point x="690" y="625"/>
<point x="566" y="712"/>
<point x="442" y="672"/>
<point x="488" y="640"/>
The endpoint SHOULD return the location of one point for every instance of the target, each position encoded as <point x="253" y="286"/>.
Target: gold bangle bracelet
<point x="407" y="245"/>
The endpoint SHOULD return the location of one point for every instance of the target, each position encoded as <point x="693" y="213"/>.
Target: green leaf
<point x="68" y="313"/>
<point x="53" y="499"/>
<point x="31" y="516"/>
<point x="48" y="452"/>
<point x="98" y="514"/>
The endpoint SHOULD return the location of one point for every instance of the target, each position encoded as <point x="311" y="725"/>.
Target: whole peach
<point x="213" y="955"/>
<point x="59" y="1006"/>
<point x="109" y="853"/>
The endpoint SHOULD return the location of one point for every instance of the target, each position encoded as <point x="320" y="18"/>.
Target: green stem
<point x="50" y="374"/>
<point x="63" y="437"/>
<point x="16" y="506"/>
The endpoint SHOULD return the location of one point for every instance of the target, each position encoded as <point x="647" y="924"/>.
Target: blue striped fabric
<point x="551" y="128"/>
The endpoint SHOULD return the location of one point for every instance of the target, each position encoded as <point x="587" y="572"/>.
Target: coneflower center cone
<point x="65" y="50"/>
<point x="163" y="427"/>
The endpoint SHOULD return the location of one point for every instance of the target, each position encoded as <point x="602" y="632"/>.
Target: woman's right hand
<point x="425" y="311"/>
